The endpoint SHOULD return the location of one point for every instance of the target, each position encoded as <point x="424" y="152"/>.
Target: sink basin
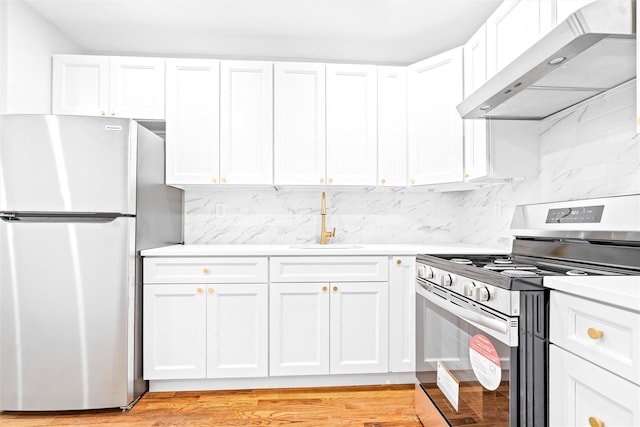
<point x="329" y="246"/>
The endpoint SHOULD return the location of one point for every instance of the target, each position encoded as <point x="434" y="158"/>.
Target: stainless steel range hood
<point x="593" y="51"/>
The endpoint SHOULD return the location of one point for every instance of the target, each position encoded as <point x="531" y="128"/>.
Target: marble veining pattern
<point x="591" y="150"/>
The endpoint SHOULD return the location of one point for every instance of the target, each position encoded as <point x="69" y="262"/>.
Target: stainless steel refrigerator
<point x="79" y="198"/>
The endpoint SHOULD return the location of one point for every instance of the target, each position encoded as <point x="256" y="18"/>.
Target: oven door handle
<point x="470" y="316"/>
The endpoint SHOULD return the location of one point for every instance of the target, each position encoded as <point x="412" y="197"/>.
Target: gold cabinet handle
<point x="210" y="290"/>
<point x="324" y="289"/>
<point x="321" y="180"/>
<point x="205" y="270"/>
<point x="383" y="181"/>
<point x="223" y="180"/>
<point x="412" y="181"/>
<point x="335" y="288"/>
<point x="399" y="262"/>
<point x="102" y="113"/>
<point x="113" y="113"/>
<point x="466" y="175"/>
<point x="199" y="290"/>
<point x="596" y="422"/>
<point x="595" y="334"/>
<point x="330" y="180"/>
<point x="214" y="180"/>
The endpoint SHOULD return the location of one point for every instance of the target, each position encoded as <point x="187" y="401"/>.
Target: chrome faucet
<point x="324" y="234"/>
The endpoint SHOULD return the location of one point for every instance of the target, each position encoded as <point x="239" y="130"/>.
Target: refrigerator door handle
<point x="34" y="218"/>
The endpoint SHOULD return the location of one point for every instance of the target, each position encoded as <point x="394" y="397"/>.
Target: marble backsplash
<point x="591" y="150"/>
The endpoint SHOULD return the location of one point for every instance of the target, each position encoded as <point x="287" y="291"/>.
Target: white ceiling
<point x="376" y="31"/>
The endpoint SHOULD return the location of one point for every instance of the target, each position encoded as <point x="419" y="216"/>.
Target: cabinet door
<point x="80" y="85"/>
<point x="237" y="330"/>
<point x="174" y="339"/>
<point x="435" y="127"/>
<point x="193" y="121"/>
<point x="475" y="131"/>
<point x="299" y="117"/>
<point x="351" y="124"/>
<point x="299" y="329"/>
<point x="359" y="332"/>
<point x="511" y="29"/>
<point x="392" y="126"/>
<point x="582" y="394"/>
<point x="402" y="314"/>
<point x="136" y="87"/>
<point x="246" y="122"/>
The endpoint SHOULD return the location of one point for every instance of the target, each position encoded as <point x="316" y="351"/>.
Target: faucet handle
<point x="333" y="233"/>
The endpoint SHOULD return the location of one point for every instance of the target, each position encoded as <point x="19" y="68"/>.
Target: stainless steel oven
<point x="482" y="331"/>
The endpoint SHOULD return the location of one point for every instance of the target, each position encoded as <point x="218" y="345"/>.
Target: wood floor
<point x="371" y="406"/>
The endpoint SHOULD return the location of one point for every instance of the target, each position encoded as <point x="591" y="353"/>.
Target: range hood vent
<point x="592" y="51"/>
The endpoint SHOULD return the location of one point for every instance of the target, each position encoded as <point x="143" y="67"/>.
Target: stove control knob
<point x="468" y="288"/>
<point x="425" y="272"/>
<point x="446" y="280"/>
<point x="482" y="294"/>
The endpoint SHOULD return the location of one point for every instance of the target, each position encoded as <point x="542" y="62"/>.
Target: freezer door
<point x="66" y="310"/>
<point x="67" y="164"/>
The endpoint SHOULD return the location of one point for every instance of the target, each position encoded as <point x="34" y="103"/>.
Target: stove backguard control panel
<point x="577" y="215"/>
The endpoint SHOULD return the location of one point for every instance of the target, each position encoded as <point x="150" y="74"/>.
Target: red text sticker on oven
<point x="485" y="362"/>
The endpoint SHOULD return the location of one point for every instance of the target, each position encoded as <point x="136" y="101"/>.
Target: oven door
<point x="466" y="361"/>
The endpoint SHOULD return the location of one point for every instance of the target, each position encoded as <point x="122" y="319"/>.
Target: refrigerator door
<point x="66" y="314"/>
<point x="67" y="164"/>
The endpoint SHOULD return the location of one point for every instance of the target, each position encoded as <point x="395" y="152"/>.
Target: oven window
<point x="464" y="370"/>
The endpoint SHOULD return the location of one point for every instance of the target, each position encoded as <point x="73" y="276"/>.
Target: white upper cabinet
<point x="136" y="87"/>
<point x="392" y="126"/>
<point x="435" y="127"/>
<point x="127" y="87"/>
<point x="299" y="123"/>
<point x="351" y="124"/>
<point x="80" y="85"/>
<point x="193" y="121"/>
<point x="246" y="122"/>
<point x="511" y="29"/>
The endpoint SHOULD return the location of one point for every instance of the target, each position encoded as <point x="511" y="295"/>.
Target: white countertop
<point x="317" y="250"/>
<point x="623" y="291"/>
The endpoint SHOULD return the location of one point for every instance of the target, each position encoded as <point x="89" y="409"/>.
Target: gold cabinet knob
<point x="214" y="180"/>
<point x="595" y="334"/>
<point x="330" y="180"/>
<point x="199" y="290"/>
<point x="324" y="289"/>
<point x="223" y="180"/>
<point x="210" y="290"/>
<point x="383" y="181"/>
<point x="466" y="175"/>
<point x="335" y="288"/>
<point x="595" y="422"/>
<point x="321" y="180"/>
<point x="412" y="181"/>
<point x="399" y="262"/>
<point x="102" y="113"/>
<point x="205" y="270"/>
<point x="113" y="113"/>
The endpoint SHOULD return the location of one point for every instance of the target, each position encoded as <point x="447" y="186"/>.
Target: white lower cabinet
<point x="329" y="328"/>
<point x="581" y="394"/>
<point x="402" y="314"/>
<point x="174" y="339"/>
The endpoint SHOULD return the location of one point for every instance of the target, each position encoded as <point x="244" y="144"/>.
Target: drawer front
<point x="581" y="393"/>
<point x="328" y="269"/>
<point x="607" y="336"/>
<point x="206" y="270"/>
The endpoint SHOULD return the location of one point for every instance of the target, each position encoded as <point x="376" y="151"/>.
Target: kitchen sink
<point x="328" y="246"/>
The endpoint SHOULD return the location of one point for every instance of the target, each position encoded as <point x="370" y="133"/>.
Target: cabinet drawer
<point x="614" y="343"/>
<point x="205" y="270"/>
<point x="328" y="269"/>
<point x="580" y="392"/>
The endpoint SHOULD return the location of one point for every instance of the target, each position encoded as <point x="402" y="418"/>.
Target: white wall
<point x="589" y="151"/>
<point x="29" y="42"/>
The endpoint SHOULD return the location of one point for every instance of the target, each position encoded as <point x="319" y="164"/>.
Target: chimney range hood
<point x="592" y="51"/>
